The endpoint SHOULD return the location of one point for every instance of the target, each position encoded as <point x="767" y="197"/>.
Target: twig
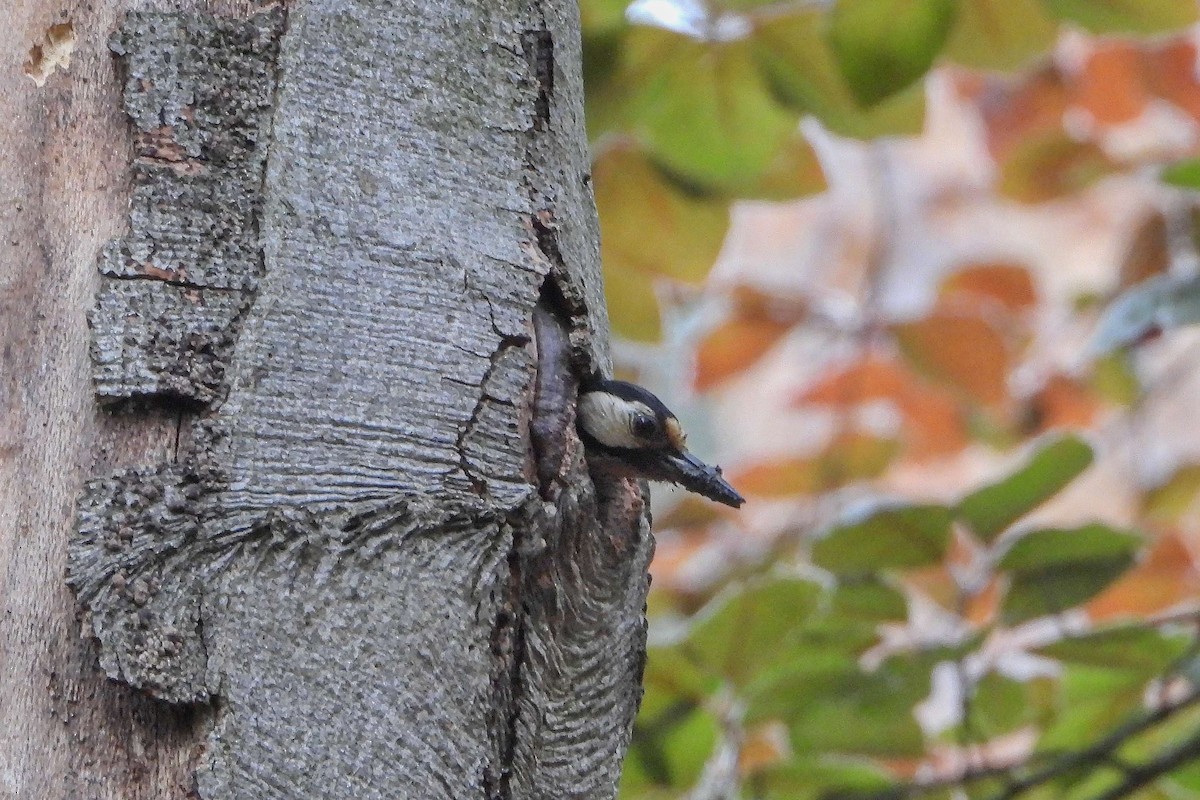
<point x="1138" y="775"/>
<point x="1100" y="752"/>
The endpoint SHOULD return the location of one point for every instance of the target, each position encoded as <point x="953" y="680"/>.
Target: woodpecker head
<point x="633" y="433"/>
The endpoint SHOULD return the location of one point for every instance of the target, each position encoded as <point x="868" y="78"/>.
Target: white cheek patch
<point x="607" y="419"/>
<point x="675" y="434"/>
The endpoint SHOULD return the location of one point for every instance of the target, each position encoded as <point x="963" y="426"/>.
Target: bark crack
<point x="539" y="48"/>
<point x="509" y="632"/>
<point x="507" y="342"/>
<point x="508" y="648"/>
<point x="572" y="556"/>
<point x="178" y="282"/>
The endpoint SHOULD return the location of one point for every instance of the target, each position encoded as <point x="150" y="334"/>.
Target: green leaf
<point x="839" y="637"/>
<point x="1185" y="174"/>
<point x="1169" y="500"/>
<point x="834" y="706"/>
<point x="1126" y="16"/>
<point x="886" y="538"/>
<point x="1133" y="648"/>
<point x="854" y="712"/>
<point x="868" y="599"/>
<point x="1187" y="778"/>
<point x="799" y="62"/>
<point x="814" y="778"/>
<point x="632" y="198"/>
<point x="703" y="108"/>
<point x="794" y="172"/>
<point x="1051" y="548"/>
<point x="997" y="706"/>
<point x="1115" y="379"/>
<point x="672" y="676"/>
<point x="632" y="304"/>
<point x="1001" y="705"/>
<point x="1148" y="309"/>
<point x="753" y="626"/>
<point x="1053" y="570"/>
<point x="673" y="733"/>
<point x="1181" y="726"/>
<point x="1091" y="700"/>
<point x="883" y="46"/>
<point x="669" y="749"/>
<point x="603" y="94"/>
<point x="602" y="15"/>
<point x="990" y="510"/>
<point x="1000" y="34"/>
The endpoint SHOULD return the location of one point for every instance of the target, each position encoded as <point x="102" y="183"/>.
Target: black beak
<point x="694" y="475"/>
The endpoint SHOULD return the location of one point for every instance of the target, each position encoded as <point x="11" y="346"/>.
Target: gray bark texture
<point x="309" y="465"/>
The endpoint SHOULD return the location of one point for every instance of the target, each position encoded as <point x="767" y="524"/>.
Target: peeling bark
<point x="199" y="92"/>
<point x="363" y="252"/>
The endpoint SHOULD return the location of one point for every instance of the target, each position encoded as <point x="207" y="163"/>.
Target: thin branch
<point x="1101" y="752"/>
<point x="1138" y="775"/>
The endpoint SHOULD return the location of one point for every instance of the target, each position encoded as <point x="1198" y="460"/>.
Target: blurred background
<point x="920" y="275"/>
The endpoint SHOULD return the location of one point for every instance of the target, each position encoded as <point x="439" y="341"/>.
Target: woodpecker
<point x="628" y="431"/>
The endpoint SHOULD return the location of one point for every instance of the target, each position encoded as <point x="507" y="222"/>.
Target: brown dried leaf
<point x="1007" y="284"/>
<point x="734" y="347"/>
<point x="962" y="351"/>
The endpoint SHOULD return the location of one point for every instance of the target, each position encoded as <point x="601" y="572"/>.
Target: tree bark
<point x="333" y="514"/>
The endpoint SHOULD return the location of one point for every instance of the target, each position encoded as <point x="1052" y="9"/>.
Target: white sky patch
<point x="689" y="18"/>
<point x="681" y="16"/>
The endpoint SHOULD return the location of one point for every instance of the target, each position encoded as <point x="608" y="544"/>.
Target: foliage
<point x="953" y="577"/>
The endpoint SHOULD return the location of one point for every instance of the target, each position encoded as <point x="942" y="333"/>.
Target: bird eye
<point x="644" y="427"/>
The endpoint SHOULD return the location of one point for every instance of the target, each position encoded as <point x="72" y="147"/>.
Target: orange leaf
<point x="733" y="347"/>
<point x="671" y="554"/>
<point x="1037" y="159"/>
<point x="1048" y="165"/>
<point x="1171" y="71"/>
<point x="1064" y="403"/>
<point x="981" y="608"/>
<point x="782" y="477"/>
<point x="1166" y="577"/>
<point x="902" y="768"/>
<point x="848" y="458"/>
<point x="1005" y="283"/>
<point x="1111" y="86"/>
<point x="933" y="423"/>
<point x="873" y="378"/>
<point x="964" y="352"/>
<point x="1011" y="112"/>
<point x="765" y="745"/>
<point x="750" y="302"/>
<point x="936" y="583"/>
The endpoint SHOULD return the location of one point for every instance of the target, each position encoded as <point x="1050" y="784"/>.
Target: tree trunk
<point x="332" y="512"/>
